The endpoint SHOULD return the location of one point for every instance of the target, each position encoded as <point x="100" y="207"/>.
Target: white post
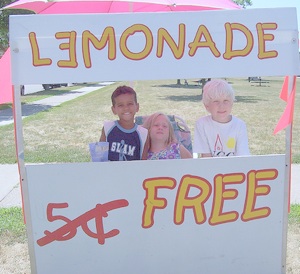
<point x="287" y="188"/>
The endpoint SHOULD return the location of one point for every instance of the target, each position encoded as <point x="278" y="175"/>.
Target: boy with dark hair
<point x="127" y="140"/>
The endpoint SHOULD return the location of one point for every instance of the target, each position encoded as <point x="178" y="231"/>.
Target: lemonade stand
<point x="217" y="215"/>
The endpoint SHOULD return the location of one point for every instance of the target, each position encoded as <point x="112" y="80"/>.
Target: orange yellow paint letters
<point x="203" y="39"/>
<point x="223" y="191"/>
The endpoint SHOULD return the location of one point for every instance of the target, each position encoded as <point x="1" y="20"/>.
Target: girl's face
<point x="159" y="130"/>
<point x="220" y="109"/>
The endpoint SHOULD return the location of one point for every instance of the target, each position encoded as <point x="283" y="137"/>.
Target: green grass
<point x="294" y="216"/>
<point x="12" y="227"/>
<point x="5" y="106"/>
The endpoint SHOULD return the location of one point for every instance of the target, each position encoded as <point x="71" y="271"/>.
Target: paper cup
<point x="99" y="151"/>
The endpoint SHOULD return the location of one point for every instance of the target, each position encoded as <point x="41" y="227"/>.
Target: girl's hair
<point x="150" y="120"/>
<point x="216" y="89"/>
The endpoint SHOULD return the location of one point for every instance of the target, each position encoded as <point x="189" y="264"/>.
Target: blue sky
<point x="277" y="4"/>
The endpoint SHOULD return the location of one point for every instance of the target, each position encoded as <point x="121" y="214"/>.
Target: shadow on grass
<point x="248" y="99"/>
<point x="191" y="84"/>
<point x="186" y="98"/>
<point x="180" y="86"/>
<point x="48" y="93"/>
<point x="197" y="98"/>
<point x="5" y="106"/>
<point x="178" y="98"/>
<point x="27" y="110"/>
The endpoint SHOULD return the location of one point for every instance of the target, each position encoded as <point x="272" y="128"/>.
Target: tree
<point x="243" y="3"/>
<point x="4" y="23"/>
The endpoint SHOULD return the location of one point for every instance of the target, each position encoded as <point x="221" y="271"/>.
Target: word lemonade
<point x="202" y="39"/>
<point x="183" y="202"/>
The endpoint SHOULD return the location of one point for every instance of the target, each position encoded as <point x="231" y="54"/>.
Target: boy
<point x="220" y="133"/>
<point x="127" y="140"/>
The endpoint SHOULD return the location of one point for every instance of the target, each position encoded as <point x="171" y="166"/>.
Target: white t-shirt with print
<point x="221" y="139"/>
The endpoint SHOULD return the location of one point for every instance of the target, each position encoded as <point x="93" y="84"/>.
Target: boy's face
<point x="125" y="107"/>
<point x="220" y="109"/>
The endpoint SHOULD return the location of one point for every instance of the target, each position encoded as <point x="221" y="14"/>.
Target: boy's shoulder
<point x="109" y="124"/>
<point x="141" y="129"/>
<point x="208" y="118"/>
<point x="143" y="133"/>
<point x="205" y="118"/>
<point x="237" y="120"/>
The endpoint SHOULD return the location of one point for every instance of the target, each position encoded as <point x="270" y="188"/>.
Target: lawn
<point x="62" y="134"/>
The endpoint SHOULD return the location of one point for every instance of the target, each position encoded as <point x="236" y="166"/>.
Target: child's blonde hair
<point x="215" y="89"/>
<point x="151" y="120"/>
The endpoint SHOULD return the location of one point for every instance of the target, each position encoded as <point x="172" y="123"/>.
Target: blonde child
<point x="220" y="133"/>
<point x="162" y="141"/>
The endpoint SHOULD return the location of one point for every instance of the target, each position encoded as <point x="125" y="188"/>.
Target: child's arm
<point x="184" y="153"/>
<point x="242" y="148"/>
<point x="203" y="155"/>
<point x="146" y="149"/>
<point x="201" y="145"/>
<point x="103" y="136"/>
